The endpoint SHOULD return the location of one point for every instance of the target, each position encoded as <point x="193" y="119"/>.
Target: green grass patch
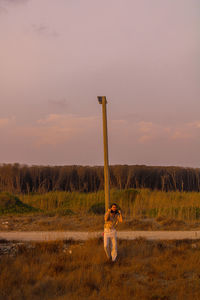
<point x="10" y="204"/>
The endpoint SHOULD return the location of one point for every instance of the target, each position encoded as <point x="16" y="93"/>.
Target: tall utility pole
<point x="102" y="100"/>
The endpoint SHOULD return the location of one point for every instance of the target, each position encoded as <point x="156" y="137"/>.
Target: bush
<point x="11" y="204"/>
<point x="97" y="208"/>
<point x="65" y="212"/>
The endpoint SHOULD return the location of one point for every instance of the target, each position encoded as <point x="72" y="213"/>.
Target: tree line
<point x="41" y="179"/>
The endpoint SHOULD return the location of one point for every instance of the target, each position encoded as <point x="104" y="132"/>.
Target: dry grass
<point x="67" y="270"/>
<point x="138" y="203"/>
<point x="142" y="210"/>
<point x="81" y="222"/>
<point x="175" y="205"/>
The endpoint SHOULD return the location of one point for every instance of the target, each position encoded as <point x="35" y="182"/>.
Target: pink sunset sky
<point x="57" y="56"/>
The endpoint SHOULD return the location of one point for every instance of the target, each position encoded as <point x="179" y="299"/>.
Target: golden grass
<point x="175" y="205"/>
<point x="134" y="203"/>
<point x="67" y="270"/>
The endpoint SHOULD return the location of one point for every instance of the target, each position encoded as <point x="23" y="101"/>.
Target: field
<point x="142" y="210"/>
<point x="134" y="203"/>
<point x="69" y="270"/>
<point x="152" y="270"/>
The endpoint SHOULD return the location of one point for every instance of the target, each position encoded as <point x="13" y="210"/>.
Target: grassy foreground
<point x="65" y="270"/>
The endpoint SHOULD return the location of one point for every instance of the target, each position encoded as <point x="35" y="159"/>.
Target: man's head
<point x="113" y="208"/>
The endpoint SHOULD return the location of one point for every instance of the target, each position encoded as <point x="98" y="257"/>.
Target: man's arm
<point x="120" y="217"/>
<point x="107" y="215"/>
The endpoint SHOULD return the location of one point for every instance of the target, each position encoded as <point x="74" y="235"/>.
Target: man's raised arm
<point x="120" y="217"/>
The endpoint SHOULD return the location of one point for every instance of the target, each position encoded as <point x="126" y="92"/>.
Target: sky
<point x="56" y="57"/>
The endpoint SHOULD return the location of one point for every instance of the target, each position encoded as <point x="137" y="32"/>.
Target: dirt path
<point x="131" y="235"/>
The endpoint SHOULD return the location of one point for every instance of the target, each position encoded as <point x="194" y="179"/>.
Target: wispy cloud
<point x="44" y="30"/>
<point x="12" y="2"/>
<point x="145" y="127"/>
<point x="62" y="103"/>
<point x="56" y="129"/>
<point x="150" y="131"/>
<point x="195" y="124"/>
<point x="6" y="121"/>
<point x="4" y="4"/>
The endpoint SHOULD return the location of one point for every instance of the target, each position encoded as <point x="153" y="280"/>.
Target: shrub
<point x="97" y="208"/>
<point x="65" y="212"/>
<point x="11" y="204"/>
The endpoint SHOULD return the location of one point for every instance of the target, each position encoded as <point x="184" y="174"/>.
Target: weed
<point x="144" y="270"/>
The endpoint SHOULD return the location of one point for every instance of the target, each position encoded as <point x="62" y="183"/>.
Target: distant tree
<point x="41" y="179"/>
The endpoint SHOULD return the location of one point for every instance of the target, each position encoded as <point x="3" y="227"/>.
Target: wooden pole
<point x="103" y="101"/>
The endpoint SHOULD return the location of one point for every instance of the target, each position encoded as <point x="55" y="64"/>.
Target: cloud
<point x="62" y="103"/>
<point x="56" y="129"/>
<point x="55" y="132"/>
<point x="13" y="1"/>
<point x="187" y="131"/>
<point x="145" y="127"/>
<point x="51" y="119"/>
<point x="150" y="131"/>
<point x="181" y="135"/>
<point x="195" y="124"/>
<point x="4" y="122"/>
<point x="44" y="30"/>
<point x="5" y="3"/>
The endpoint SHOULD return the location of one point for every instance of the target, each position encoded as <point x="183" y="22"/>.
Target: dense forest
<point x="40" y="179"/>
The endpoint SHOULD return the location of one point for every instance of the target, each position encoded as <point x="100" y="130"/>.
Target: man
<point x="112" y="217"/>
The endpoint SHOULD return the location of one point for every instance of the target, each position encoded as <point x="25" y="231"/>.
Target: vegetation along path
<point x="129" y="235"/>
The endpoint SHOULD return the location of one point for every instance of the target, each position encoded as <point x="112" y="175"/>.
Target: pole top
<point x="101" y="98"/>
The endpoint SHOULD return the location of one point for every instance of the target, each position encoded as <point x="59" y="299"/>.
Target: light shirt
<point x="112" y="221"/>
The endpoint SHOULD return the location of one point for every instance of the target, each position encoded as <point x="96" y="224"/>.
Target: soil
<point x="89" y="223"/>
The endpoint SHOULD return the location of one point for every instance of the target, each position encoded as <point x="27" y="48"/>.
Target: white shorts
<point x="110" y="232"/>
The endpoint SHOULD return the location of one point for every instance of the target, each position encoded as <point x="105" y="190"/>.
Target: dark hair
<point x="113" y="204"/>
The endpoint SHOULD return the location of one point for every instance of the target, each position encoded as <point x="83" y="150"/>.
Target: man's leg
<point x="107" y="245"/>
<point x="114" y="247"/>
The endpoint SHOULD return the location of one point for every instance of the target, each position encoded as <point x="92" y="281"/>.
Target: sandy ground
<point x="131" y="235"/>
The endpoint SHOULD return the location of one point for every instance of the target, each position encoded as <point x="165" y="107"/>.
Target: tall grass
<point x="177" y="205"/>
<point x="80" y="202"/>
<point x="133" y="203"/>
